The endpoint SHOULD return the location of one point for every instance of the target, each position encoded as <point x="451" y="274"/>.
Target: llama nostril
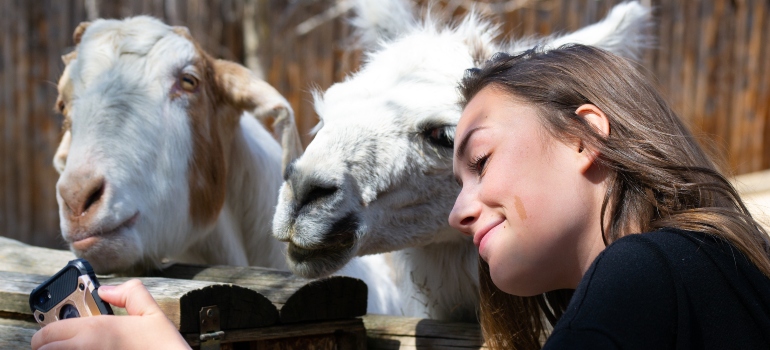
<point x="316" y="193"/>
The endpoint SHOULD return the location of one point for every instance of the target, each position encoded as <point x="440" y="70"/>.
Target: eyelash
<point x="477" y="164"/>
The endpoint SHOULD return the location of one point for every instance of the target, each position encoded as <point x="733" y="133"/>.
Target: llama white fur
<point x="378" y="175"/>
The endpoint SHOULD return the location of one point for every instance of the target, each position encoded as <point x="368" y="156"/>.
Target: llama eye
<point x="442" y="136"/>
<point x="188" y="82"/>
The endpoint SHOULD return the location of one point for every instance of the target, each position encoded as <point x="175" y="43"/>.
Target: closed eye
<point x="478" y="164"/>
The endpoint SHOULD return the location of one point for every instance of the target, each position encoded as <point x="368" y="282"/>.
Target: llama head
<point x="149" y="120"/>
<point x="378" y="175"/>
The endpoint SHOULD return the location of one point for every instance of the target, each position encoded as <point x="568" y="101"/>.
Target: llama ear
<point x="381" y="21"/>
<point x="624" y="31"/>
<point x="60" y="158"/>
<point x="245" y="91"/>
<point x="79" y="30"/>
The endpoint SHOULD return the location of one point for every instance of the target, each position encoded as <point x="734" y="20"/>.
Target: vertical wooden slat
<point x="7" y="9"/>
<point x="763" y="100"/>
<point x="755" y="124"/>
<point x="738" y="143"/>
<point x="703" y="106"/>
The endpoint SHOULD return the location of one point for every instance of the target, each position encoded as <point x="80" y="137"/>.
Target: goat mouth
<point x="85" y="240"/>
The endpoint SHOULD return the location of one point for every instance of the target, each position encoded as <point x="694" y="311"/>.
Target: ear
<point x="79" y="30"/>
<point x="247" y="92"/>
<point x="60" y="158"/>
<point x="379" y="21"/>
<point x="625" y="31"/>
<point x="596" y="118"/>
<point x="69" y="57"/>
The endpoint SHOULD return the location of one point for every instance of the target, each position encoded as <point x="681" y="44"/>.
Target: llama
<point x="162" y="156"/>
<point x="378" y="176"/>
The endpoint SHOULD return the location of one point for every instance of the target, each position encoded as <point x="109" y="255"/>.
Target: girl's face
<point x="531" y="202"/>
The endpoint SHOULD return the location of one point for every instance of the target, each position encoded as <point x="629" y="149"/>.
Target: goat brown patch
<point x="213" y="122"/>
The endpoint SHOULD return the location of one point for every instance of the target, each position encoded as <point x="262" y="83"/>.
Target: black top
<point x="668" y="289"/>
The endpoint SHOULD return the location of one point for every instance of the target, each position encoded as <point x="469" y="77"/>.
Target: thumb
<point x="131" y="295"/>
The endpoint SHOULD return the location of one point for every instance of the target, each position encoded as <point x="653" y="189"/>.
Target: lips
<point x="86" y="239"/>
<point x="480" y="237"/>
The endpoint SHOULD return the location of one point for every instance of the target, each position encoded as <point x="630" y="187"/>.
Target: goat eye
<point x="61" y="106"/>
<point x="443" y="136"/>
<point x="188" y="82"/>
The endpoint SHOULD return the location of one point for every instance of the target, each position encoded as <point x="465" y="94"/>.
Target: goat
<point x="162" y="155"/>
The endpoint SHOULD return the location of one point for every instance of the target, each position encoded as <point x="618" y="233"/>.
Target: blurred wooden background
<point x="712" y="62"/>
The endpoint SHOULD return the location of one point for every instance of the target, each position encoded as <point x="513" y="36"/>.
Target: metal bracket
<point x="210" y="336"/>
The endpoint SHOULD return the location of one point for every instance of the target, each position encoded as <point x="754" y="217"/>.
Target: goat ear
<point x="79" y="30"/>
<point x="381" y="21"/>
<point x="60" y="158"/>
<point x="625" y="31"/>
<point x="245" y="91"/>
<point x="69" y="57"/>
<point x="183" y="32"/>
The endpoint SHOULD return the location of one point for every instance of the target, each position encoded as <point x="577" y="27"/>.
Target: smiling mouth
<point x="88" y="239"/>
<point x="479" y="236"/>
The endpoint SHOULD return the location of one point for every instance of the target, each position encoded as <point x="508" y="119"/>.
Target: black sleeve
<point x="626" y="300"/>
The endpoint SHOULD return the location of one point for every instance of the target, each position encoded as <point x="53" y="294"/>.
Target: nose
<point x="81" y="192"/>
<point x="308" y="189"/>
<point x="464" y="214"/>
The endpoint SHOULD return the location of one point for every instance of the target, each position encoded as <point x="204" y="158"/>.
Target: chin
<point x="117" y="253"/>
<point x="316" y="263"/>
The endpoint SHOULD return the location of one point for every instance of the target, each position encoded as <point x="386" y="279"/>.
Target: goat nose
<point x="81" y="192"/>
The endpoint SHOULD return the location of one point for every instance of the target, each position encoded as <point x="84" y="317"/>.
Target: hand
<point x="145" y="327"/>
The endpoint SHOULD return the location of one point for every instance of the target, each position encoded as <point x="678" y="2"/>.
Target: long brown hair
<point x="659" y="175"/>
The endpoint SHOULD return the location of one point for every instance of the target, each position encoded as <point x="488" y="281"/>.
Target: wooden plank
<point x="19" y="257"/>
<point x="334" y="328"/>
<point x="15" y="334"/>
<point x="297" y="299"/>
<point x="392" y="332"/>
<point x="180" y="300"/>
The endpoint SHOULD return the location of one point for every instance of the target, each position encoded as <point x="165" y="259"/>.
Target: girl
<point x="563" y="156"/>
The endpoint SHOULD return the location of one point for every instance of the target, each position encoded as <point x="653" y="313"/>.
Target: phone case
<point x="71" y="292"/>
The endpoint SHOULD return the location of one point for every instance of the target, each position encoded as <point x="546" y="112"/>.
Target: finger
<point x="56" y="331"/>
<point x="133" y="296"/>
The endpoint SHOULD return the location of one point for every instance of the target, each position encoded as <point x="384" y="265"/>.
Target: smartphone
<point x="71" y="292"/>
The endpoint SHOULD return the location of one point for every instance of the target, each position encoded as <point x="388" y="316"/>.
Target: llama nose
<point x="82" y="192"/>
<point x="315" y="192"/>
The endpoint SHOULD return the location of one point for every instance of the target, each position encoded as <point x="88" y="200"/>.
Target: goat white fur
<point x="378" y="175"/>
<point x="162" y="156"/>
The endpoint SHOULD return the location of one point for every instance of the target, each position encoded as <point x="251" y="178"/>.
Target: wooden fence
<point x="712" y="62"/>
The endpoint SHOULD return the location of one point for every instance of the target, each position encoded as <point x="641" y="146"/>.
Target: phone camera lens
<point x="43" y="297"/>
<point x="82" y="286"/>
<point x="41" y="317"/>
<point x="68" y="311"/>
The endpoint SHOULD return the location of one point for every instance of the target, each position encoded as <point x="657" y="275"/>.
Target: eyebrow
<point x="464" y="143"/>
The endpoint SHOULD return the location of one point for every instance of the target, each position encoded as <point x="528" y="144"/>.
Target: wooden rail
<point x="264" y="308"/>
